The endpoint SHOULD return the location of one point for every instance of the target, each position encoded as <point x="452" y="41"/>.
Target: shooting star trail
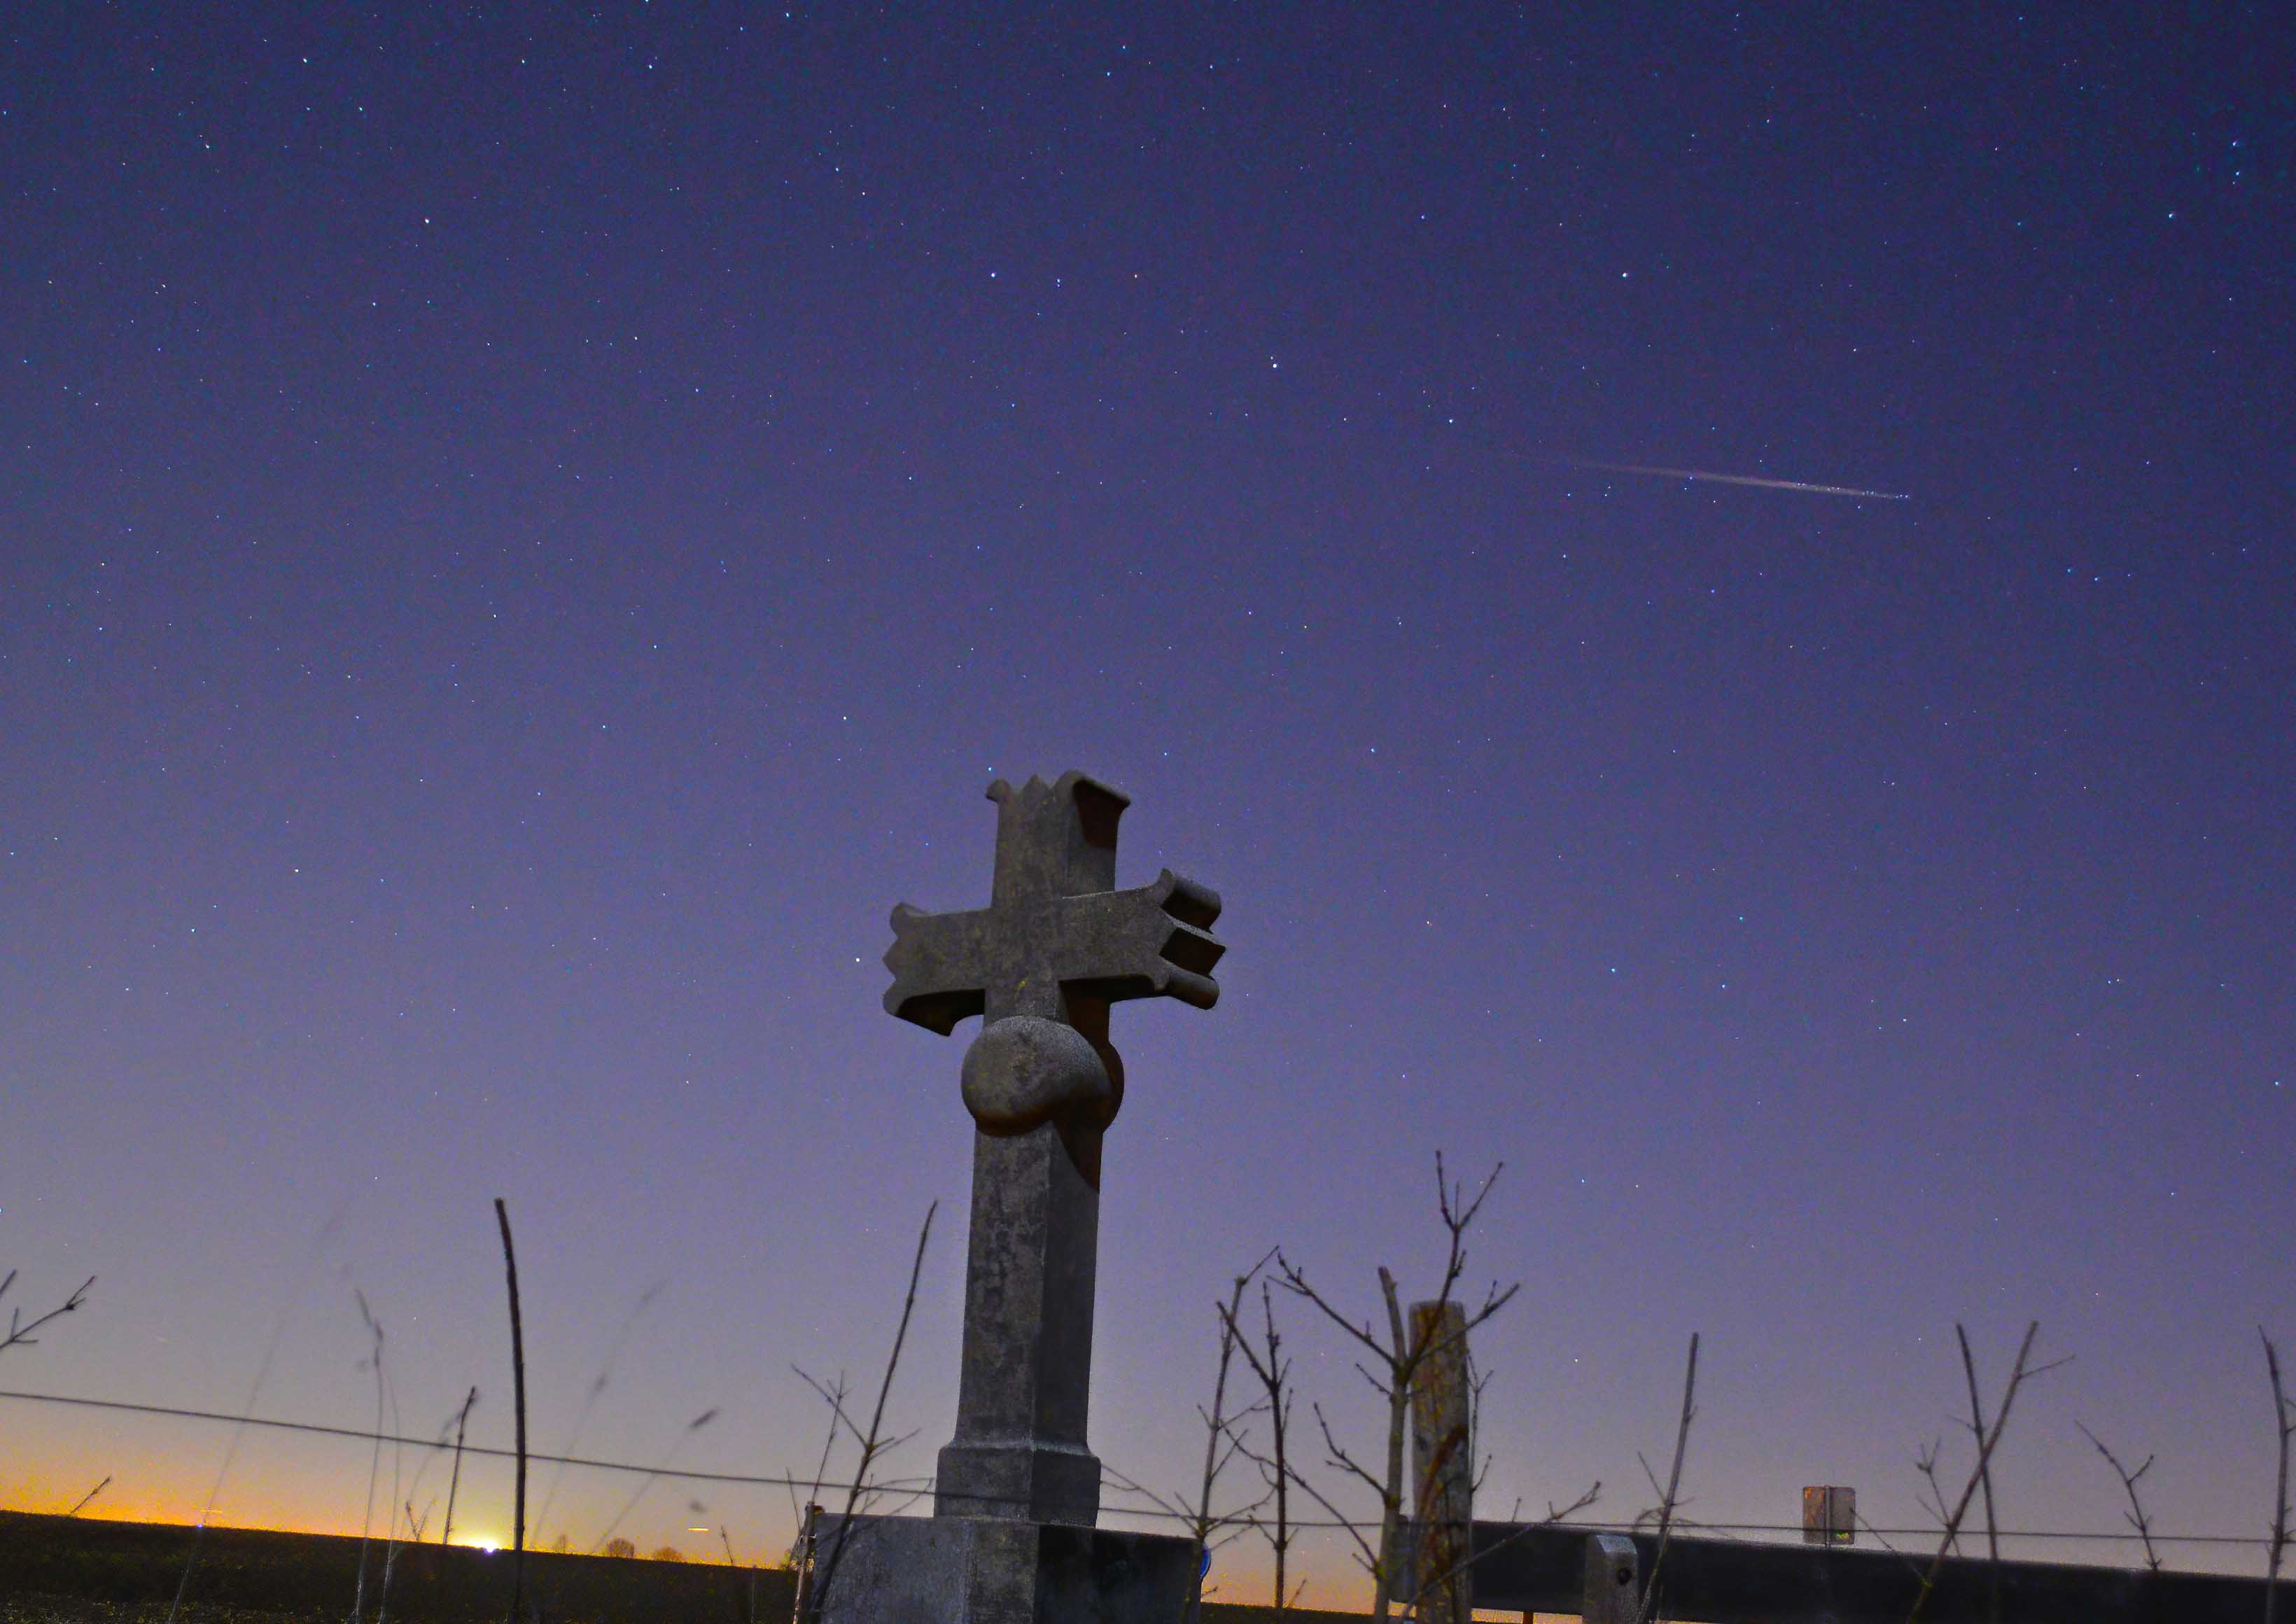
<point x="1739" y="478"/>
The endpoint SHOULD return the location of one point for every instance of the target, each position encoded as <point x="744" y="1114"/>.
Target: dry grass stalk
<point x="646" y="1482"/>
<point x="590" y="1397"/>
<point x="375" y="1465"/>
<point x="518" y="1394"/>
<point x="817" y="1594"/>
<point x="455" y="1478"/>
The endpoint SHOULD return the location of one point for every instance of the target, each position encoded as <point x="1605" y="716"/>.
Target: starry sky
<point x="527" y="528"/>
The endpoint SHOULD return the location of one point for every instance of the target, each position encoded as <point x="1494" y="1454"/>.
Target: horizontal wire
<point x="917" y="1485"/>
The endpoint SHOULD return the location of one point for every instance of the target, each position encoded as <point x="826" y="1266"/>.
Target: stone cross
<point x="1056" y="946"/>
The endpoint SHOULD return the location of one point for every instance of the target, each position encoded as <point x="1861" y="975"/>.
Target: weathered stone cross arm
<point x="1149" y="942"/>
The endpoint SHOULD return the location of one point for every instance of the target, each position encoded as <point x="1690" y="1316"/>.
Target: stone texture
<point x="972" y="1570"/>
<point x="1055" y="947"/>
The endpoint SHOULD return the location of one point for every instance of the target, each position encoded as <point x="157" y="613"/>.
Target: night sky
<point x="525" y="530"/>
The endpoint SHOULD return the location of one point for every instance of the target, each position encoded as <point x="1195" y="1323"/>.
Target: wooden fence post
<point x="1442" y="1464"/>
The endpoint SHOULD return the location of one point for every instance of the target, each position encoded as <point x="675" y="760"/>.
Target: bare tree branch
<point x="20" y="1329"/>
<point x="1667" y="1503"/>
<point x="834" y="1397"/>
<point x="2135" y="1515"/>
<point x="1274" y="1373"/>
<point x="2019" y="1374"/>
<point x="1926" y="1463"/>
<point x="1985" y="1480"/>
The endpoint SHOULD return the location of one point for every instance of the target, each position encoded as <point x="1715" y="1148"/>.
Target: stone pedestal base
<point x="973" y="1571"/>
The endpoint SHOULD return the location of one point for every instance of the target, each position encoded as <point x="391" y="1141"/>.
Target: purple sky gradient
<point x="524" y="536"/>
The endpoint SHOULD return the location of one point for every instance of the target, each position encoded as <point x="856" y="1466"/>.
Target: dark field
<point x="54" y="1570"/>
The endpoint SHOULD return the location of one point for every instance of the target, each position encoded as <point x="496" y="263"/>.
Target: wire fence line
<point x="916" y="1486"/>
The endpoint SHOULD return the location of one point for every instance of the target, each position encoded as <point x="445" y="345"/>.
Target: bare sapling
<point x="2021" y="1373"/>
<point x="20" y="1330"/>
<point x="1670" y="1499"/>
<point x="816" y="1595"/>
<point x="2136" y="1515"/>
<point x="1395" y="1361"/>
<point x="1208" y="1526"/>
<point x="1273" y="1371"/>
<point x="2283" y="1425"/>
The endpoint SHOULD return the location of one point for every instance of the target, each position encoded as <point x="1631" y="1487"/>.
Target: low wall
<point x="315" y="1575"/>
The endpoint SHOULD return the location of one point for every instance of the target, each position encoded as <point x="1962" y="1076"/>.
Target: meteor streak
<point x="1739" y="478"/>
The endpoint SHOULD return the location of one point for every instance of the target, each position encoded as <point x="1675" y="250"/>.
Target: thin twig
<point x="833" y="1395"/>
<point x="1668" y="1502"/>
<point x="1882" y="1540"/>
<point x="2135" y="1515"/>
<point x="2283" y="1418"/>
<point x="1926" y="1463"/>
<point x="375" y="1465"/>
<point x="81" y="1505"/>
<point x="869" y="1447"/>
<point x="1985" y="1480"/>
<point x="20" y="1329"/>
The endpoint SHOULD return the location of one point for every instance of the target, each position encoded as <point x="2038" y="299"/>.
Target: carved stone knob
<point x="1024" y="1071"/>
